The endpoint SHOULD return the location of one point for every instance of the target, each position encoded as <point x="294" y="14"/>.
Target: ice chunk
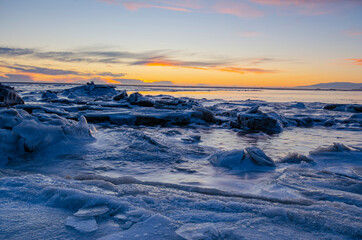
<point x="91" y="211"/>
<point x="45" y="134"/>
<point x="91" y="90"/>
<point x="228" y="159"/>
<point x="9" y="118"/>
<point x="205" y="231"/>
<point x="9" y="97"/>
<point x="335" y="147"/>
<point x="48" y="95"/>
<point x="295" y="158"/>
<point x="82" y="224"/>
<point x="156" y="227"/>
<point x="259" y="157"/>
<point x="138" y="215"/>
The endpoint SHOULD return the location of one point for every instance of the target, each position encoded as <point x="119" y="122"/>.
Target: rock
<point x="228" y="159"/>
<point x="48" y="95"/>
<point x="82" y="224"/>
<point x="260" y="122"/>
<point x="121" y="96"/>
<point x="258" y="157"/>
<point x="91" y="211"/>
<point x="9" y="97"/>
<point x="296" y="158"/>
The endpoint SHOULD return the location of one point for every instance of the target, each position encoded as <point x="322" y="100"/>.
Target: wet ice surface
<point x="177" y="168"/>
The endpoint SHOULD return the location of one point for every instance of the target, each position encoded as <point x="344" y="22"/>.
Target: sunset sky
<point x="185" y="42"/>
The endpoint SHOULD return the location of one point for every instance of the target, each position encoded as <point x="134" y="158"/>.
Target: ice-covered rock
<point x="9" y="97"/>
<point x="296" y="158"/>
<point x="156" y="227"/>
<point x="91" y="211"/>
<point x="259" y="121"/>
<point x="206" y="231"/>
<point x="91" y="90"/>
<point x="121" y="96"/>
<point x="335" y="147"/>
<point x="229" y="159"/>
<point x="82" y="224"/>
<point x="259" y="157"/>
<point x="48" y="95"/>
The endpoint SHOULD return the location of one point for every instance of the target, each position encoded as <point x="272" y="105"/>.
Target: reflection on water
<point x="354" y="97"/>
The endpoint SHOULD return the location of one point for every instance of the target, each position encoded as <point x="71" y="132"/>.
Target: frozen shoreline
<point x="203" y="169"/>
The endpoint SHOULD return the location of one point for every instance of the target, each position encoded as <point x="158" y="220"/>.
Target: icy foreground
<point x="97" y="162"/>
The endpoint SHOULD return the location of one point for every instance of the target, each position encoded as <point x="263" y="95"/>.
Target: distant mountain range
<point x="335" y="85"/>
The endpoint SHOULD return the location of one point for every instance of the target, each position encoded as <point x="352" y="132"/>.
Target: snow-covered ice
<point x="103" y="162"/>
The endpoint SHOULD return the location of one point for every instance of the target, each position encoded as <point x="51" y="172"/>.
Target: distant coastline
<point x="302" y="88"/>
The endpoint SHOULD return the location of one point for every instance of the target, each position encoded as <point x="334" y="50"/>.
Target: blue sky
<point x="217" y="42"/>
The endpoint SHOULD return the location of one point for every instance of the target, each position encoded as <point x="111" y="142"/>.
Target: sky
<point x="269" y="43"/>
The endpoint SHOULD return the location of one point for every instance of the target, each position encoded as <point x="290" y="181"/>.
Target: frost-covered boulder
<point x="296" y="158"/>
<point x="258" y="121"/>
<point x="91" y="90"/>
<point x="9" y="97"/>
<point x="49" y="95"/>
<point x="259" y="157"/>
<point x="229" y="159"/>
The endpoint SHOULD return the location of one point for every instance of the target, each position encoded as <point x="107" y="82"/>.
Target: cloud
<point x="353" y="33"/>
<point x="134" y="6"/>
<point x="231" y="7"/>
<point x="355" y="61"/>
<point x="80" y="55"/>
<point x="250" y="34"/>
<point x="45" y="71"/>
<point x="236" y="8"/>
<point x="141" y="82"/>
<point x="58" y="72"/>
<point x="205" y="66"/>
<point x="16" y="78"/>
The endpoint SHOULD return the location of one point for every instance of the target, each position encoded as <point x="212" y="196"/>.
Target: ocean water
<point x="167" y="171"/>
